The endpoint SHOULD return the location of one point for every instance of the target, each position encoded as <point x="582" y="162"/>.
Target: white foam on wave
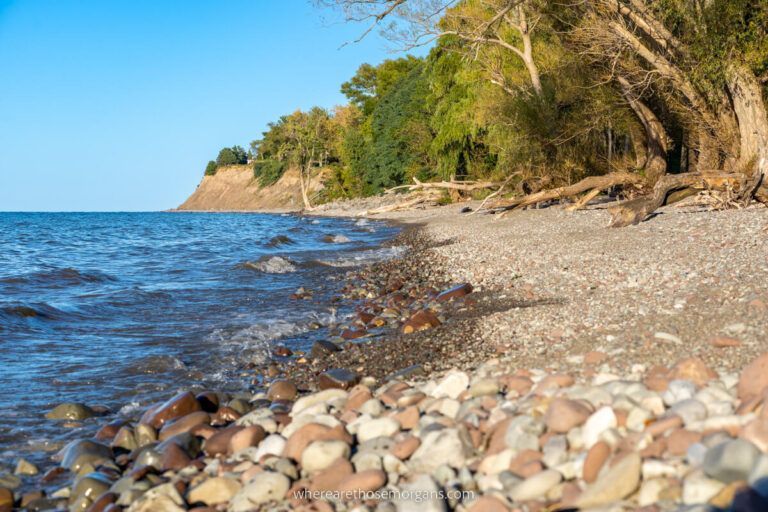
<point x="258" y="337"/>
<point x="365" y="257"/>
<point x="272" y="265"/>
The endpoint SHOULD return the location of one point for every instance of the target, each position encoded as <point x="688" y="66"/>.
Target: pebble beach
<point x="539" y="361"/>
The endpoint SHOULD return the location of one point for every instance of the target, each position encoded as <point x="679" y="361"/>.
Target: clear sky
<point x="119" y="104"/>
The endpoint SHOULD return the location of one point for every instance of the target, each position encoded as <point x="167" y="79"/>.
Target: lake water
<point x="121" y="309"/>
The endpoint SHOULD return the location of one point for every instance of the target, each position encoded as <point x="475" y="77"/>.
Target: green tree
<point x="210" y="169"/>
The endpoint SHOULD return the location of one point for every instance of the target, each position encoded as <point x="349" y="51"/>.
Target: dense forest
<point x="654" y="99"/>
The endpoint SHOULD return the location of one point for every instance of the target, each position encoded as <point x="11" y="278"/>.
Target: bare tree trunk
<point x="527" y="56"/>
<point x="655" y="164"/>
<point x="304" y="186"/>
<point x="752" y="118"/>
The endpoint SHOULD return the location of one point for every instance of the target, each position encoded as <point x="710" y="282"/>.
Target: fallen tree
<point x="462" y="186"/>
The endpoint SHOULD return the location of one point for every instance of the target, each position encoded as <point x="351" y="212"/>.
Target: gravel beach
<point x="539" y="361"/>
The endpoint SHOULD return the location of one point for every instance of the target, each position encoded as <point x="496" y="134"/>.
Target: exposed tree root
<point x="586" y="185"/>
<point x="672" y="188"/>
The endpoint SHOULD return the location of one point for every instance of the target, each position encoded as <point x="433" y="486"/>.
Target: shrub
<point x="210" y="169"/>
<point x="268" y="171"/>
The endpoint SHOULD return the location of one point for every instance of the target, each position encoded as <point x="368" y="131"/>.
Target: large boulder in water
<point x="178" y="406"/>
<point x="70" y="411"/>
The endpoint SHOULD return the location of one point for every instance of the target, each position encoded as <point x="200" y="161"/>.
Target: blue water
<point x="121" y="309"/>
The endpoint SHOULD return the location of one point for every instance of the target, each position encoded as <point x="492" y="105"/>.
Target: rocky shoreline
<point x="416" y="404"/>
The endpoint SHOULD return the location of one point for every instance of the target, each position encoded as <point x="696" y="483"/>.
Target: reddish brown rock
<point x="218" y="444"/>
<point x="368" y="480"/>
<point x="353" y="334"/>
<point x="488" y="504"/>
<point x="313" y="432"/>
<point x="527" y="463"/>
<point x="595" y="357"/>
<point x="183" y="424"/>
<point x="52" y="474"/>
<point x="408" y="417"/>
<point x="174" y="458"/>
<point x="679" y="440"/>
<point x="405" y="447"/>
<point x="282" y="351"/>
<point x="756" y="432"/>
<point x="564" y="414"/>
<point x="419" y="321"/>
<point x="209" y="401"/>
<point x="596" y="457"/>
<point x="109" y="430"/>
<point x="249" y="436"/>
<point x="358" y="395"/>
<point x="454" y="293"/>
<point x="282" y="389"/>
<point x="724" y="342"/>
<point x="754" y="378"/>
<point x="338" y="378"/>
<point x="178" y="406"/>
<point x="655" y="449"/>
<point x="518" y="383"/>
<point x="556" y="380"/>
<point x="6" y="499"/>
<point x="102" y="502"/>
<point x="694" y="370"/>
<point x="224" y="416"/>
<point x="330" y="478"/>
<point x="365" y="317"/>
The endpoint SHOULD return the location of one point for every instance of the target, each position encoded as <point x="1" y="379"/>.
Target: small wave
<point x="336" y="239"/>
<point x="277" y="241"/>
<point x="43" y="311"/>
<point x="271" y="265"/>
<point x="365" y="257"/>
<point x="58" y="277"/>
<point x="158" y="364"/>
<point x="258" y="337"/>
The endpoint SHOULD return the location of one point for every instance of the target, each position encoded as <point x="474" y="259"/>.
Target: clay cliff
<point x="234" y="188"/>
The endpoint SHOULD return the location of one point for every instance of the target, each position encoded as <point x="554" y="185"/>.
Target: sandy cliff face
<point x="234" y="188"/>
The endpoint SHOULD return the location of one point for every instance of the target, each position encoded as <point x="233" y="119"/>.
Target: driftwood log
<point x="463" y="186"/>
<point x="674" y="187"/>
<point x="589" y="184"/>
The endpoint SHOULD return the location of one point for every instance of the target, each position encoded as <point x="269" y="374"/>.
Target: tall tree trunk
<point x="752" y="119"/>
<point x="304" y="186"/>
<point x="655" y="164"/>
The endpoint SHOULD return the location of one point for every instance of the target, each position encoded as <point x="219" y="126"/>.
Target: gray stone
<point x="446" y="446"/>
<point x="731" y="461"/>
<point x="263" y="488"/>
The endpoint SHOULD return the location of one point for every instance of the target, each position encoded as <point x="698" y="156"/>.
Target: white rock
<point x="264" y="487"/>
<point x="379" y="427"/>
<point x="523" y="433"/>
<point x="452" y="385"/>
<point x="650" y="491"/>
<point x="319" y="398"/>
<point x="372" y="408"/>
<point x="637" y="418"/>
<point x="679" y="390"/>
<point x="420" y="494"/>
<point x="555" y="451"/>
<point x="653" y="468"/>
<point x="536" y="486"/>
<point x="600" y="421"/>
<point x="690" y="410"/>
<point x="273" y="444"/>
<point x="439" y="447"/>
<point x="697" y="488"/>
<point x="363" y="461"/>
<point x="497" y="462"/>
<point x="321" y="454"/>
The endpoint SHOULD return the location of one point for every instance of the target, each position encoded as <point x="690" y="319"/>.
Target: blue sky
<point x="118" y="105"/>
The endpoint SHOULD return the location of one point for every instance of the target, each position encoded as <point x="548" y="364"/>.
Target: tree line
<point x="651" y="95"/>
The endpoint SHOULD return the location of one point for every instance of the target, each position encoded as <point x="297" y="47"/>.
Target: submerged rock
<point x="70" y="411"/>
